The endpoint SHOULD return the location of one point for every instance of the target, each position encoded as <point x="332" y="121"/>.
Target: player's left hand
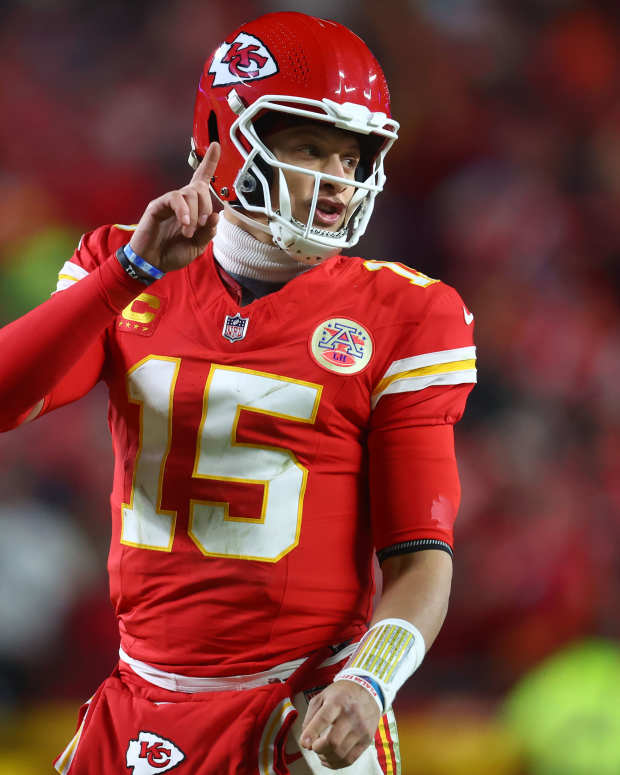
<point x="340" y="724"/>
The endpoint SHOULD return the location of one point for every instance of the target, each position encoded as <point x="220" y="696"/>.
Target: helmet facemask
<point x="254" y="182"/>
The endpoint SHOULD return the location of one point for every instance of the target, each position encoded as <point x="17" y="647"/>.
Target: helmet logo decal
<point x="245" y="59"/>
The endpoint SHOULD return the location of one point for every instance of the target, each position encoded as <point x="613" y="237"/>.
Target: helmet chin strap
<point x="300" y="250"/>
<point x="241" y="216"/>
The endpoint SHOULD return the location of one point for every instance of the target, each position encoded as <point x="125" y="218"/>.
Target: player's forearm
<point x="406" y="621"/>
<point x="416" y="587"/>
<point x="38" y="349"/>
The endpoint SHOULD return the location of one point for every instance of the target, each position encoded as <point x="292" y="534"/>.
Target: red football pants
<point x="132" y="726"/>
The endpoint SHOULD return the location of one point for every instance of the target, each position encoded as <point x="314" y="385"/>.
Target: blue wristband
<point x="139" y="262"/>
<point x="376" y="687"/>
<point x="129" y="268"/>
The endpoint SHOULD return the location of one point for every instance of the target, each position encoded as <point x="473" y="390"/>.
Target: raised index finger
<point x="208" y="165"/>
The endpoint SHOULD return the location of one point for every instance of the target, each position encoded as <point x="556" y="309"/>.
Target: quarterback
<point x="279" y="413"/>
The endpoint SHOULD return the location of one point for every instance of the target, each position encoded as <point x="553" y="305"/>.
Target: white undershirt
<point x="239" y="253"/>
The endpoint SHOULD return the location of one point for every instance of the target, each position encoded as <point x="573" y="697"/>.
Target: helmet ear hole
<point x="251" y="186"/>
<point x="370" y="147"/>
<point x="214" y="135"/>
<point x="361" y="172"/>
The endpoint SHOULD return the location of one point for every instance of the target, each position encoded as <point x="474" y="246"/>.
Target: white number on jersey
<point x="220" y="457"/>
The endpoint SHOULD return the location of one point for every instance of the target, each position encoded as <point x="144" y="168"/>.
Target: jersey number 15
<point x="220" y="457"/>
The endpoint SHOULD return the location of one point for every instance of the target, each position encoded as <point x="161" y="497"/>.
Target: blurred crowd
<point x="505" y="183"/>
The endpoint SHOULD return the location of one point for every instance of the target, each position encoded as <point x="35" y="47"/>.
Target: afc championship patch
<point x="341" y="345"/>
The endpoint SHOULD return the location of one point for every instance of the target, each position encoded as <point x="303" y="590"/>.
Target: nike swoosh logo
<point x="468" y="316"/>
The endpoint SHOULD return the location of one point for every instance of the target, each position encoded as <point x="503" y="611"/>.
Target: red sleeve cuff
<point x="116" y="286"/>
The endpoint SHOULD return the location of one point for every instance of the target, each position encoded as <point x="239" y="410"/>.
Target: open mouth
<point x="328" y="212"/>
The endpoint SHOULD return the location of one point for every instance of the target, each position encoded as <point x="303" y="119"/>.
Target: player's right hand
<point x="340" y="724"/>
<point x="176" y="227"/>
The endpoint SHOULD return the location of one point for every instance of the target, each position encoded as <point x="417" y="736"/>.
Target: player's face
<point x="325" y="149"/>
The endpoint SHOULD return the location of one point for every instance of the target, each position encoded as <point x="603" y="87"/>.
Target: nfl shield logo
<point x="235" y="327"/>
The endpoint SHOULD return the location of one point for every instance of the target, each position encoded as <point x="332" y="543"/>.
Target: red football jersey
<point x="246" y="504"/>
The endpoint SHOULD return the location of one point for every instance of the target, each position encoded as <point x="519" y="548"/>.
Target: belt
<point x="190" y="684"/>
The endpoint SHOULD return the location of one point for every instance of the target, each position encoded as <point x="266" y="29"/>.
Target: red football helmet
<point x="300" y="66"/>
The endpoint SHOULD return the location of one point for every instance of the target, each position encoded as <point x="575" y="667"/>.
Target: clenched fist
<point x="340" y="724"/>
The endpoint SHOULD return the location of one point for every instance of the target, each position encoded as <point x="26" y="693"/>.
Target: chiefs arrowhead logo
<point x="245" y="59"/>
<point x="150" y="753"/>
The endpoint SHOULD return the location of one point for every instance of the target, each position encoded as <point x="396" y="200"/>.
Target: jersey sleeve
<point x="434" y="351"/>
<point x="421" y="393"/>
<point x="55" y="353"/>
<point x="94" y="248"/>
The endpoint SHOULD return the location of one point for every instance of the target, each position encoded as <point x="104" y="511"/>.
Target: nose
<point x="333" y="166"/>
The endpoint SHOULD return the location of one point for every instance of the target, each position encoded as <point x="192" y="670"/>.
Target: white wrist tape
<point x="390" y="652"/>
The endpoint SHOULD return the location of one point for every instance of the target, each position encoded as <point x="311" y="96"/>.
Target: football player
<point x="279" y="414"/>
